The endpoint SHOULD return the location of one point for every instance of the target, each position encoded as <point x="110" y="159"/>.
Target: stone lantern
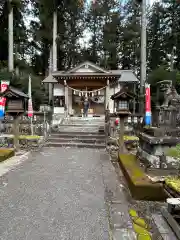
<point x="16" y="102"/>
<point x="122" y="99"/>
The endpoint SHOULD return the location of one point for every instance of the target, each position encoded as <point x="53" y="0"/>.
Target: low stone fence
<point x="40" y="124"/>
<point x="32" y="132"/>
<point x="25" y="142"/>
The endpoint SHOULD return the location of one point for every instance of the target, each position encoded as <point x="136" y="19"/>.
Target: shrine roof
<point x="123" y="93"/>
<point x="14" y="91"/>
<point x="89" y="69"/>
<point x="50" y="79"/>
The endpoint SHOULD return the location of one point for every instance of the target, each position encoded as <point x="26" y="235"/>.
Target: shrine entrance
<point x="95" y="98"/>
<point x="86" y="80"/>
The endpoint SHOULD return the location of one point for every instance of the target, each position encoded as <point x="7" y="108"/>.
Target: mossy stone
<point x="140" y="230"/>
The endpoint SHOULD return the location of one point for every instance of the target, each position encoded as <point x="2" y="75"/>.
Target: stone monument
<point x="164" y="132"/>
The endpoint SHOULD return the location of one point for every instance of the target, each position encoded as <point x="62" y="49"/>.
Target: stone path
<point x="70" y="194"/>
<point x="56" y="194"/>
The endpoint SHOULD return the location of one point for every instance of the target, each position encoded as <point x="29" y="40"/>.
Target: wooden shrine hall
<point x="67" y="88"/>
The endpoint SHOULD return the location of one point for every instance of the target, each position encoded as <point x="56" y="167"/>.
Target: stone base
<point x="154" y="161"/>
<point x="152" y="150"/>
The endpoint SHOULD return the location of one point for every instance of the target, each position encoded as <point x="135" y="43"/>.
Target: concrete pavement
<point x="58" y="193"/>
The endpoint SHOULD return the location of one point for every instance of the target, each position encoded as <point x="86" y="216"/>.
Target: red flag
<point x="30" y="108"/>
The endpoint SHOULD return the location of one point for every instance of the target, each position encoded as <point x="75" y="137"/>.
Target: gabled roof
<point x="15" y="92"/>
<point x="87" y="64"/>
<point x="123" y="93"/>
<point x="126" y="75"/>
<point x="93" y="70"/>
<point x="49" y="79"/>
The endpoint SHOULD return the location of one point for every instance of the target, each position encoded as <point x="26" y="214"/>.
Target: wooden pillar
<point x="107" y="96"/>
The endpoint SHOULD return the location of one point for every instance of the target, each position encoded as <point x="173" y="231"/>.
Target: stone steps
<point x="76" y="140"/>
<point x="84" y="125"/>
<point x="66" y="132"/>
<point x="75" y="144"/>
<point x="81" y="133"/>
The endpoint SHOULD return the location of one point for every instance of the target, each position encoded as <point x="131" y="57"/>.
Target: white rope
<point x="77" y="90"/>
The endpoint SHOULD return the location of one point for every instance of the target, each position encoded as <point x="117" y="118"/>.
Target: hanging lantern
<point x="79" y="93"/>
<point x="74" y="92"/>
<point x="92" y="94"/>
<point x="99" y="92"/>
<point x="86" y="94"/>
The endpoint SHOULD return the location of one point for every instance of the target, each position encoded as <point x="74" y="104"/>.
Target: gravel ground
<point x="56" y="194"/>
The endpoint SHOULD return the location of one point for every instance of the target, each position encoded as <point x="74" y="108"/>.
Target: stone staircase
<point x="78" y="132"/>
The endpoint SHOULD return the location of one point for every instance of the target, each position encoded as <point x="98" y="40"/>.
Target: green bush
<point x="139" y="184"/>
<point x="6" y="153"/>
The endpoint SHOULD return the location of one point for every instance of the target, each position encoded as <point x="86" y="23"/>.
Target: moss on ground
<point x="137" y="173"/>
<point x="141" y="228"/>
<point x="29" y="137"/>
<point x="130" y="138"/>
<point x="173" y="151"/>
<point x="6" y="153"/>
<point x="139" y="184"/>
<point x="173" y="182"/>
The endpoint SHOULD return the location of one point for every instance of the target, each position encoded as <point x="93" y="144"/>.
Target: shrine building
<point x="89" y="80"/>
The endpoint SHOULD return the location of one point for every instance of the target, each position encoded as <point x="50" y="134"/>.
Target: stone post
<point x="16" y="133"/>
<point x="121" y="135"/>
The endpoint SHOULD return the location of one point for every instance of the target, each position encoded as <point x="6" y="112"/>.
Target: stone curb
<point x="12" y="163"/>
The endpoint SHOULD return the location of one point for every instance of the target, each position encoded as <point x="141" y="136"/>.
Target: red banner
<point x="4" y="86"/>
<point x="30" y="108"/>
<point x="148" y="99"/>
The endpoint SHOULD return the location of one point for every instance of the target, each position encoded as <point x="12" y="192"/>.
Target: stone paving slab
<point x="57" y="194"/>
<point x="163" y="227"/>
<point x="124" y="234"/>
<point x="121" y="224"/>
<point x="120" y="217"/>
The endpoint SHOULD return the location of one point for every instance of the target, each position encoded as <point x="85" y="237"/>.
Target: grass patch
<point x="130" y="138"/>
<point x="173" y="151"/>
<point x="139" y="184"/>
<point x="6" y="153"/>
<point x="29" y="137"/>
<point x="173" y="182"/>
